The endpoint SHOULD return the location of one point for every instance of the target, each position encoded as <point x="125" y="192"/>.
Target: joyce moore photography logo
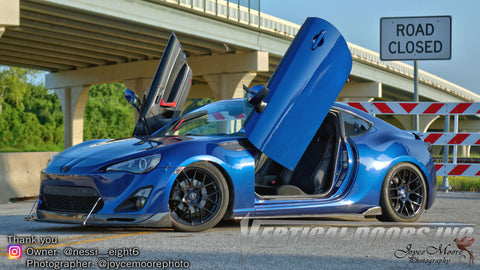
<point x="463" y="244"/>
<point x="438" y="254"/>
<point x="428" y="243"/>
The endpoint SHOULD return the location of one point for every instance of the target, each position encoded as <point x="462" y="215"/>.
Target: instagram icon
<point x="14" y="251"/>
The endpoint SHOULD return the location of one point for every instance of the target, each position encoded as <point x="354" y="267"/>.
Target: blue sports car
<point x="285" y="150"/>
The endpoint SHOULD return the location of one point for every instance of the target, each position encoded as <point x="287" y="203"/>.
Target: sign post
<point x="416" y="125"/>
<point x="417" y="38"/>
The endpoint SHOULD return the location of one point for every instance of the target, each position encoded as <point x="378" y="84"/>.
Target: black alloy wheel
<point x="198" y="198"/>
<point x="404" y="194"/>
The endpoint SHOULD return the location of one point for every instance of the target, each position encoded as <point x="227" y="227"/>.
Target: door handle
<point x="318" y="39"/>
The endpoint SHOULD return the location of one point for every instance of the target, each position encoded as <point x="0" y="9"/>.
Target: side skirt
<point x="369" y="213"/>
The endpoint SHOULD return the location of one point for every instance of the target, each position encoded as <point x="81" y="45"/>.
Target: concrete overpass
<point x="83" y="42"/>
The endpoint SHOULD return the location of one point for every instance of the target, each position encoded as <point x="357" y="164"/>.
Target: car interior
<point x="313" y="174"/>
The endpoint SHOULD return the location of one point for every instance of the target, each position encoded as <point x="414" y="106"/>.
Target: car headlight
<point x="137" y="165"/>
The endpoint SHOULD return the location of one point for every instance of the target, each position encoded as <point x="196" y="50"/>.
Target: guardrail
<point x="445" y="138"/>
<point x="239" y="13"/>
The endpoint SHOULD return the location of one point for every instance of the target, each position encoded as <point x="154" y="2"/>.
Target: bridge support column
<point x="425" y="121"/>
<point x="464" y="150"/>
<point x="9" y="14"/>
<point x="361" y="91"/>
<point x="229" y="85"/>
<point x="73" y="101"/>
<point x="138" y="85"/>
<point x="359" y="99"/>
<point x="226" y="74"/>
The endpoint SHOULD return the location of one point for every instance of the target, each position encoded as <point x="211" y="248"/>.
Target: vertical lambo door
<point x="290" y="110"/>
<point x="168" y="91"/>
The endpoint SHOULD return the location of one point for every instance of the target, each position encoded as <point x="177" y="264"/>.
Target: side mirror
<point x="255" y="96"/>
<point x="133" y="99"/>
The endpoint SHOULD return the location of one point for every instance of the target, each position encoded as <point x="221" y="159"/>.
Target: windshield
<point x="223" y="118"/>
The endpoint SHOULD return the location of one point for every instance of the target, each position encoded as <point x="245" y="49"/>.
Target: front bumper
<point x="96" y="199"/>
<point x="123" y="220"/>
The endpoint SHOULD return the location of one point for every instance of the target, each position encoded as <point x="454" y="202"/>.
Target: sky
<point x="359" y="22"/>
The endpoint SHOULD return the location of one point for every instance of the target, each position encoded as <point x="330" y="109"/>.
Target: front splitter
<point x="120" y="220"/>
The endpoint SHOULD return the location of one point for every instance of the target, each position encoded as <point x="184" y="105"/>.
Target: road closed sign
<point x="416" y="38"/>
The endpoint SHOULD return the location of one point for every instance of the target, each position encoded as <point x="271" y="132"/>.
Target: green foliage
<point x="461" y="183"/>
<point x="31" y="117"/>
<point x="108" y="114"/>
<point x="194" y="103"/>
<point x="14" y="84"/>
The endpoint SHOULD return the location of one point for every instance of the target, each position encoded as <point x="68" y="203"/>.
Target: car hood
<point x="98" y="153"/>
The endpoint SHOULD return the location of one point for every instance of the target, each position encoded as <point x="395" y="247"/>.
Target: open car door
<point x="168" y="91"/>
<point x="301" y="91"/>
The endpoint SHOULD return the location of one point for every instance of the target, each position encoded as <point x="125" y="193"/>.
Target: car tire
<point x="199" y="198"/>
<point x="404" y="194"/>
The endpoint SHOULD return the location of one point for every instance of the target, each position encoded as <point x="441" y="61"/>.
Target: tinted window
<point x="215" y="119"/>
<point x="354" y="126"/>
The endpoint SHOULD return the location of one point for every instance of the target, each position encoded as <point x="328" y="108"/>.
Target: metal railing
<point x="240" y="14"/>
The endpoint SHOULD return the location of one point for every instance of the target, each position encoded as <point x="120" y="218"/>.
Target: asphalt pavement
<point x="255" y="244"/>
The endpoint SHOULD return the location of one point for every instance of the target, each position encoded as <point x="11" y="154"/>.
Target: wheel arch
<point x="217" y="172"/>
<point x="429" y="183"/>
<point x="220" y="165"/>
<point x="387" y="212"/>
<point x="412" y="162"/>
<point x="427" y="173"/>
<point x="231" y="189"/>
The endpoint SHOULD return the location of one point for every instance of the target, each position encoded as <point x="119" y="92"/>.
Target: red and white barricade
<point x="450" y="138"/>
<point x="459" y="169"/>
<point x="434" y="138"/>
<point x="435" y="108"/>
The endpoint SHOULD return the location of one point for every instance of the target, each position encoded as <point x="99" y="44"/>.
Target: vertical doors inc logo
<point x="14" y="251"/>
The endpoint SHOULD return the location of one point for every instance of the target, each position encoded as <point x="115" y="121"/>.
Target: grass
<point x="34" y="148"/>
<point x="461" y="183"/>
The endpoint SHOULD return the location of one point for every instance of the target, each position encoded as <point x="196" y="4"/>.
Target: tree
<point x="14" y="83"/>
<point x="31" y="118"/>
<point x="108" y="114"/>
